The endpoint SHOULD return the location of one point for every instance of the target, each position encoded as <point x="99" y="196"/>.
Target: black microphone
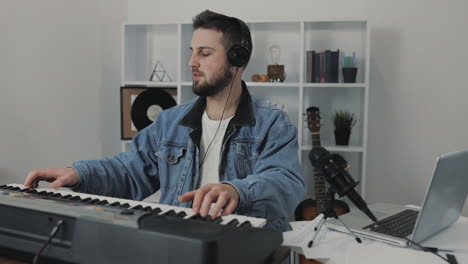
<point x="334" y="169"/>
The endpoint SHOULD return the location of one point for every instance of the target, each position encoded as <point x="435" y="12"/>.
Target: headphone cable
<point x="220" y="120"/>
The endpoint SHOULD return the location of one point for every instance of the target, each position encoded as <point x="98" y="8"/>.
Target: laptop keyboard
<point x="397" y="225"/>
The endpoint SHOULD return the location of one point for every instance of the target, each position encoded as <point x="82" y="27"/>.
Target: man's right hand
<point x="57" y="177"/>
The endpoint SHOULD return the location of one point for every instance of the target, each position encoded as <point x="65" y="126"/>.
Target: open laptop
<point x="444" y="200"/>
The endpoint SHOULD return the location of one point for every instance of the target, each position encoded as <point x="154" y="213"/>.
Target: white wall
<point x="59" y="77"/>
<point x="418" y="95"/>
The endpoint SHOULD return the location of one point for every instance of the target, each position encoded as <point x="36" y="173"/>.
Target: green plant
<point x="343" y="120"/>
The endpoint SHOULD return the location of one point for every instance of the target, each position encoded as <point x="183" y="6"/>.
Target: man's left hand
<point x="224" y="195"/>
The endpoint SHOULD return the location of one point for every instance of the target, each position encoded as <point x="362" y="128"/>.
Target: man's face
<point x="210" y="68"/>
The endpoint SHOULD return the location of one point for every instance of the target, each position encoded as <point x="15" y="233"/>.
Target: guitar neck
<point x="319" y="178"/>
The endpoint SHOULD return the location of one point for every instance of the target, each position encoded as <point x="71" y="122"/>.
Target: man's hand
<point x="57" y="177"/>
<point x="225" y="196"/>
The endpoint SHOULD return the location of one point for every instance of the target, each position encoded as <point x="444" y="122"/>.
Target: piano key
<point x="146" y="206"/>
<point x="233" y="222"/>
<point x="245" y="224"/>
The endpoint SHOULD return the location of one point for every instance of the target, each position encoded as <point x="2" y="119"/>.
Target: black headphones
<point x="239" y="54"/>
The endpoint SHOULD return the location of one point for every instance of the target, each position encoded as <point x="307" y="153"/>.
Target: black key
<point x="42" y="192"/>
<point x="148" y="208"/>
<point x="94" y="201"/>
<point x="181" y="214"/>
<point x="56" y="195"/>
<point x="68" y="196"/>
<point x="246" y="224"/>
<point x="207" y="218"/>
<point x="137" y="207"/>
<point x="156" y="211"/>
<point x="85" y="200"/>
<point x="75" y="198"/>
<point x="125" y="205"/>
<point x="31" y="191"/>
<point x="16" y="189"/>
<point x="48" y="194"/>
<point x="196" y="217"/>
<point x="103" y="202"/>
<point x="25" y="190"/>
<point x="170" y="213"/>
<point x="233" y="222"/>
<point x="3" y="186"/>
<point x="217" y="220"/>
<point x="114" y="204"/>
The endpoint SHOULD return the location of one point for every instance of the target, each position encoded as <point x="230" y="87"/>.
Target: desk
<point x="334" y="247"/>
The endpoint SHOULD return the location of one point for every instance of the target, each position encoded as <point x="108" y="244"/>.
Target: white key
<point x="255" y="222"/>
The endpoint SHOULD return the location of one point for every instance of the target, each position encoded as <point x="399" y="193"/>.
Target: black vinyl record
<point x="148" y="105"/>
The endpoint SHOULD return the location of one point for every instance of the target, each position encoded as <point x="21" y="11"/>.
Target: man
<point x="225" y="148"/>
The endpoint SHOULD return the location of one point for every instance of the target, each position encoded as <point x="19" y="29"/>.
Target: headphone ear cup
<point x="238" y="55"/>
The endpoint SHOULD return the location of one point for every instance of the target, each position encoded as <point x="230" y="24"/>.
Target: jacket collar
<point x="244" y="115"/>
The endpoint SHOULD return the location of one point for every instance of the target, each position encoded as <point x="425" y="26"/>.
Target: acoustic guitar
<point x="309" y="209"/>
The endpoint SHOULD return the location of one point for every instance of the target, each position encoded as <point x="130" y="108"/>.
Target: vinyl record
<point x="148" y="105"/>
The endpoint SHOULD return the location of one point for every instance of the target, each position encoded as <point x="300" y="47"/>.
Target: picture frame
<point x="128" y="94"/>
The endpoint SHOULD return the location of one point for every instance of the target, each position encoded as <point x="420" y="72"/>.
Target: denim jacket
<point x="259" y="158"/>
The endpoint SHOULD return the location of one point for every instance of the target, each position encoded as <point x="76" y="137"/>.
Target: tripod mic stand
<point x="328" y="212"/>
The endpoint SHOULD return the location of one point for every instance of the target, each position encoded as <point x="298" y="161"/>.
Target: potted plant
<point x="343" y="122"/>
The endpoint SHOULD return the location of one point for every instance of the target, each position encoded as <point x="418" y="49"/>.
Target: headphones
<point x="239" y="54"/>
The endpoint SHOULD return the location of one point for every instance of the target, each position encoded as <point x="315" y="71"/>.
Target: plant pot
<point x="342" y="137"/>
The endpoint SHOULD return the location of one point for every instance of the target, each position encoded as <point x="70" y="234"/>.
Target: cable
<point x="220" y="120"/>
<point x="52" y="235"/>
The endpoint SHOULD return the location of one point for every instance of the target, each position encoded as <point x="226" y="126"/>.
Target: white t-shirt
<point x="209" y="170"/>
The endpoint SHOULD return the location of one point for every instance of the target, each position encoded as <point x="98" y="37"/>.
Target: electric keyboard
<point x="100" y="229"/>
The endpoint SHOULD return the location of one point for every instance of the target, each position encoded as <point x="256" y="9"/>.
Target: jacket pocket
<point x="171" y="164"/>
<point x="172" y="154"/>
<point x="247" y="155"/>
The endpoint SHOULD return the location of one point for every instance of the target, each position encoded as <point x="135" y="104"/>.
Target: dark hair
<point x="234" y="30"/>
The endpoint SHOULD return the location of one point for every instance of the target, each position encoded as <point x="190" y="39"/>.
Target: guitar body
<point x="309" y="209"/>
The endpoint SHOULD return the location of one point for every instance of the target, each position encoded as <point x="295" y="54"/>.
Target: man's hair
<point x="234" y="30"/>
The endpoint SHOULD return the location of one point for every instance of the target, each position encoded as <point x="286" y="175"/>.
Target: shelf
<point x="152" y="84"/>
<point x="337" y="85"/>
<point x="271" y="84"/>
<point x="335" y="148"/>
<point x="145" y="44"/>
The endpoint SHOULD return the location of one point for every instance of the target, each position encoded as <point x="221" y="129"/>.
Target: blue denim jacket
<point x="259" y="158"/>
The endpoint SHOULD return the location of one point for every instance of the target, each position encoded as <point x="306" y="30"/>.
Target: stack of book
<point x="322" y="67"/>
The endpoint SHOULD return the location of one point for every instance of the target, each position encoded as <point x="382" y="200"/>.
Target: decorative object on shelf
<point x="343" y="121"/>
<point x="140" y="106"/>
<point x="322" y="67"/>
<point x="276" y="72"/>
<point x="260" y="78"/>
<point x="349" y="69"/>
<point x="160" y="73"/>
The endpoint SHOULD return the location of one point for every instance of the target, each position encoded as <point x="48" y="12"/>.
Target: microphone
<point x="333" y="167"/>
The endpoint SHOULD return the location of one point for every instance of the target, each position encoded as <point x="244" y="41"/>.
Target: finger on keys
<point x="208" y="199"/>
<point x="216" y="211"/>
<point x="33" y="178"/>
<point x="198" y="199"/>
<point x="230" y="208"/>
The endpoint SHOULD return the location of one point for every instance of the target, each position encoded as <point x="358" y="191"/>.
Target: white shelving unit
<point x="144" y="44"/>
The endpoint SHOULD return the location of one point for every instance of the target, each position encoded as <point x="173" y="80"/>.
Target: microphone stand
<point x="328" y="212"/>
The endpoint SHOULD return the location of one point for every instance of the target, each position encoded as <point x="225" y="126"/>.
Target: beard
<point x="220" y="80"/>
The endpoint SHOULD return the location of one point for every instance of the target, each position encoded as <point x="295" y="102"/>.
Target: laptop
<point x="442" y="205"/>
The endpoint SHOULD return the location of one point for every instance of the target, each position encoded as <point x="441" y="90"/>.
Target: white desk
<point x="333" y="247"/>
